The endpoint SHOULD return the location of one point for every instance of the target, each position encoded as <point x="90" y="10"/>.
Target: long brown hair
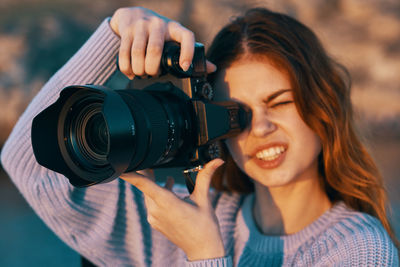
<point x="322" y="96"/>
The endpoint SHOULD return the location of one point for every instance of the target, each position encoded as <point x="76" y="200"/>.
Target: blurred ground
<point x="25" y="239"/>
<point x="38" y="36"/>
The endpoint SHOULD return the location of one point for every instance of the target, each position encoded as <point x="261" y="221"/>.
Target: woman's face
<point x="278" y="148"/>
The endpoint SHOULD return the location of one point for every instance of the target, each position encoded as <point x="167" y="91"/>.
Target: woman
<point x="318" y="198"/>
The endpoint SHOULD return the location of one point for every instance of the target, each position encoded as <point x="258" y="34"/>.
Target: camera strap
<point x="189" y="179"/>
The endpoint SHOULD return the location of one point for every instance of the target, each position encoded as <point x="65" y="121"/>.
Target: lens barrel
<point x="102" y="133"/>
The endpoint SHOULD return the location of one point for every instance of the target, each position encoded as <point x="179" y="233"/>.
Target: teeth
<point x="270" y="153"/>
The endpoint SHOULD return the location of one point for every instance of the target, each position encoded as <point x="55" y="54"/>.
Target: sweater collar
<point x="249" y="232"/>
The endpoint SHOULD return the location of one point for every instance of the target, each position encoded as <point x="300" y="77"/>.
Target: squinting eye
<point x="281" y="104"/>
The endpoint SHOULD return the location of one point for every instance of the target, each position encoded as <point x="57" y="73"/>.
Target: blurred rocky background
<point x="38" y="36"/>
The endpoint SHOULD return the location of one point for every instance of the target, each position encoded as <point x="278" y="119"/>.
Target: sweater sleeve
<point x="104" y="222"/>
<point x="218" y="262"/>
<point x="371" y="247"/>
<point x="360" y="241"/>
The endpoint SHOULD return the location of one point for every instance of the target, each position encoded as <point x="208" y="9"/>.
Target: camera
<point x="92" y="134"/>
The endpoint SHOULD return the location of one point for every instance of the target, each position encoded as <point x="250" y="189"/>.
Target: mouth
<point x="271" y="153"/>
<point x="271" y="156"/>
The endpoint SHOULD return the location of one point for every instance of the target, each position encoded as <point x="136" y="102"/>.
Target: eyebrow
<point x="275" y="95"/>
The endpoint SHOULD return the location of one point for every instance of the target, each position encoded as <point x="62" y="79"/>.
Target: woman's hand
<point x="191" y="224"/>
<point x="143" y="33"/>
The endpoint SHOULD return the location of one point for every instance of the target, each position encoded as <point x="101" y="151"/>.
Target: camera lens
<point x="102" y="133"/>
<point x="96" y="134"/>
<point x="89" y="135"/>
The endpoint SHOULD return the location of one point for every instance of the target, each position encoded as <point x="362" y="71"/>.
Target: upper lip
<point x="266" y="146"/>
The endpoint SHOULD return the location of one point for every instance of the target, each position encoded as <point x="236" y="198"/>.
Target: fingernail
<point x="185" y="65"/>
<point x="218" y="162"/>
<point x="211" y="67"/>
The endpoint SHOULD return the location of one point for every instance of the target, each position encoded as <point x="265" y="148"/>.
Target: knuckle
<point x="124" y="66"/>
<point x="175" y="24"/>
<point x="138" y="70"/>
<point x="124" y="11"/>
<point x="124" y="51"/>
<point x="141" y="23"/>
<point x="138" y="10"/>
<point x="174" y="27"/>
<point x="137" y="51"/>
<point x="157" y="21"/>
<point x="188" y="34"/>
<point x="151" y="70"/>
<point x="154" y="50"/>
<point x="120" y="10"/>
<point x="126" y="32"/>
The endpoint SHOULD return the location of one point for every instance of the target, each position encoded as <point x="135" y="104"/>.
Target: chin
<point x="269" y="178"/>
<point x="272" y="182"/>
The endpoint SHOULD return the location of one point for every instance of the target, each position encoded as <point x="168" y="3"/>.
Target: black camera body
<point x="93" y="134"/>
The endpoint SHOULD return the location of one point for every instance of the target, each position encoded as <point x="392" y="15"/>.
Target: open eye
<point x="280" y="104"/>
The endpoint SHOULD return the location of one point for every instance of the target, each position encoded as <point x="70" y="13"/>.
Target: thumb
<point x="203" y="180"/>
<point x="210" y="67"/>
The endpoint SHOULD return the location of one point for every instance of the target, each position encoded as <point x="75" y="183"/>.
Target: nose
<point x="261" y="125"/>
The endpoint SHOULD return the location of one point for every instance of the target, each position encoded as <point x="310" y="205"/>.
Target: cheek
<point x="299" y="129"/>
<point x="306" y="138"/>
<point x="317" y="145"/>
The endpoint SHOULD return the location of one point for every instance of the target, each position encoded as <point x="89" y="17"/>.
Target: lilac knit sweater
<point x="107" y="223"/>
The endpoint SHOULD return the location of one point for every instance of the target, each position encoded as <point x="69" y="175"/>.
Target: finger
<point x="124" y="55"/>
<point x="189" y="200"/>
<point x="147" y="186"/>
<point x="210" y="67"/>
<point x="148" y="173"/>
<point x="154" y="47"/>
<point x="203" y="181"/>
<point x="187" y="50"/>
<point x="185" y="37"/>
<point x="139" y="48"/>
<point x="150" y="206"/>
<point x="114" y="23"/>
<point x="169" y="184"/>
<point x="149" y="202"/>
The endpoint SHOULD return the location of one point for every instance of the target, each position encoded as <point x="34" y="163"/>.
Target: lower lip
<point x="270" y="164"/>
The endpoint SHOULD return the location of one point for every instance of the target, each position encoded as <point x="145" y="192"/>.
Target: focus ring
<point x="151" y="119"/>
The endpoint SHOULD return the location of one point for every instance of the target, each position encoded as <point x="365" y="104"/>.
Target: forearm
<point x="61" y="206"/>
<point x="93" y="63"/>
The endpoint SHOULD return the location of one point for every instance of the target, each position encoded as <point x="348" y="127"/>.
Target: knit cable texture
<point x="107" y="224"/>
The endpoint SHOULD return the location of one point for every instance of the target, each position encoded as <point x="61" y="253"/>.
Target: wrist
<point x="113" y="25"/>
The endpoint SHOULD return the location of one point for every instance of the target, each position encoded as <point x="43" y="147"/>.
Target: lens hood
<point x="54" y="146"/>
